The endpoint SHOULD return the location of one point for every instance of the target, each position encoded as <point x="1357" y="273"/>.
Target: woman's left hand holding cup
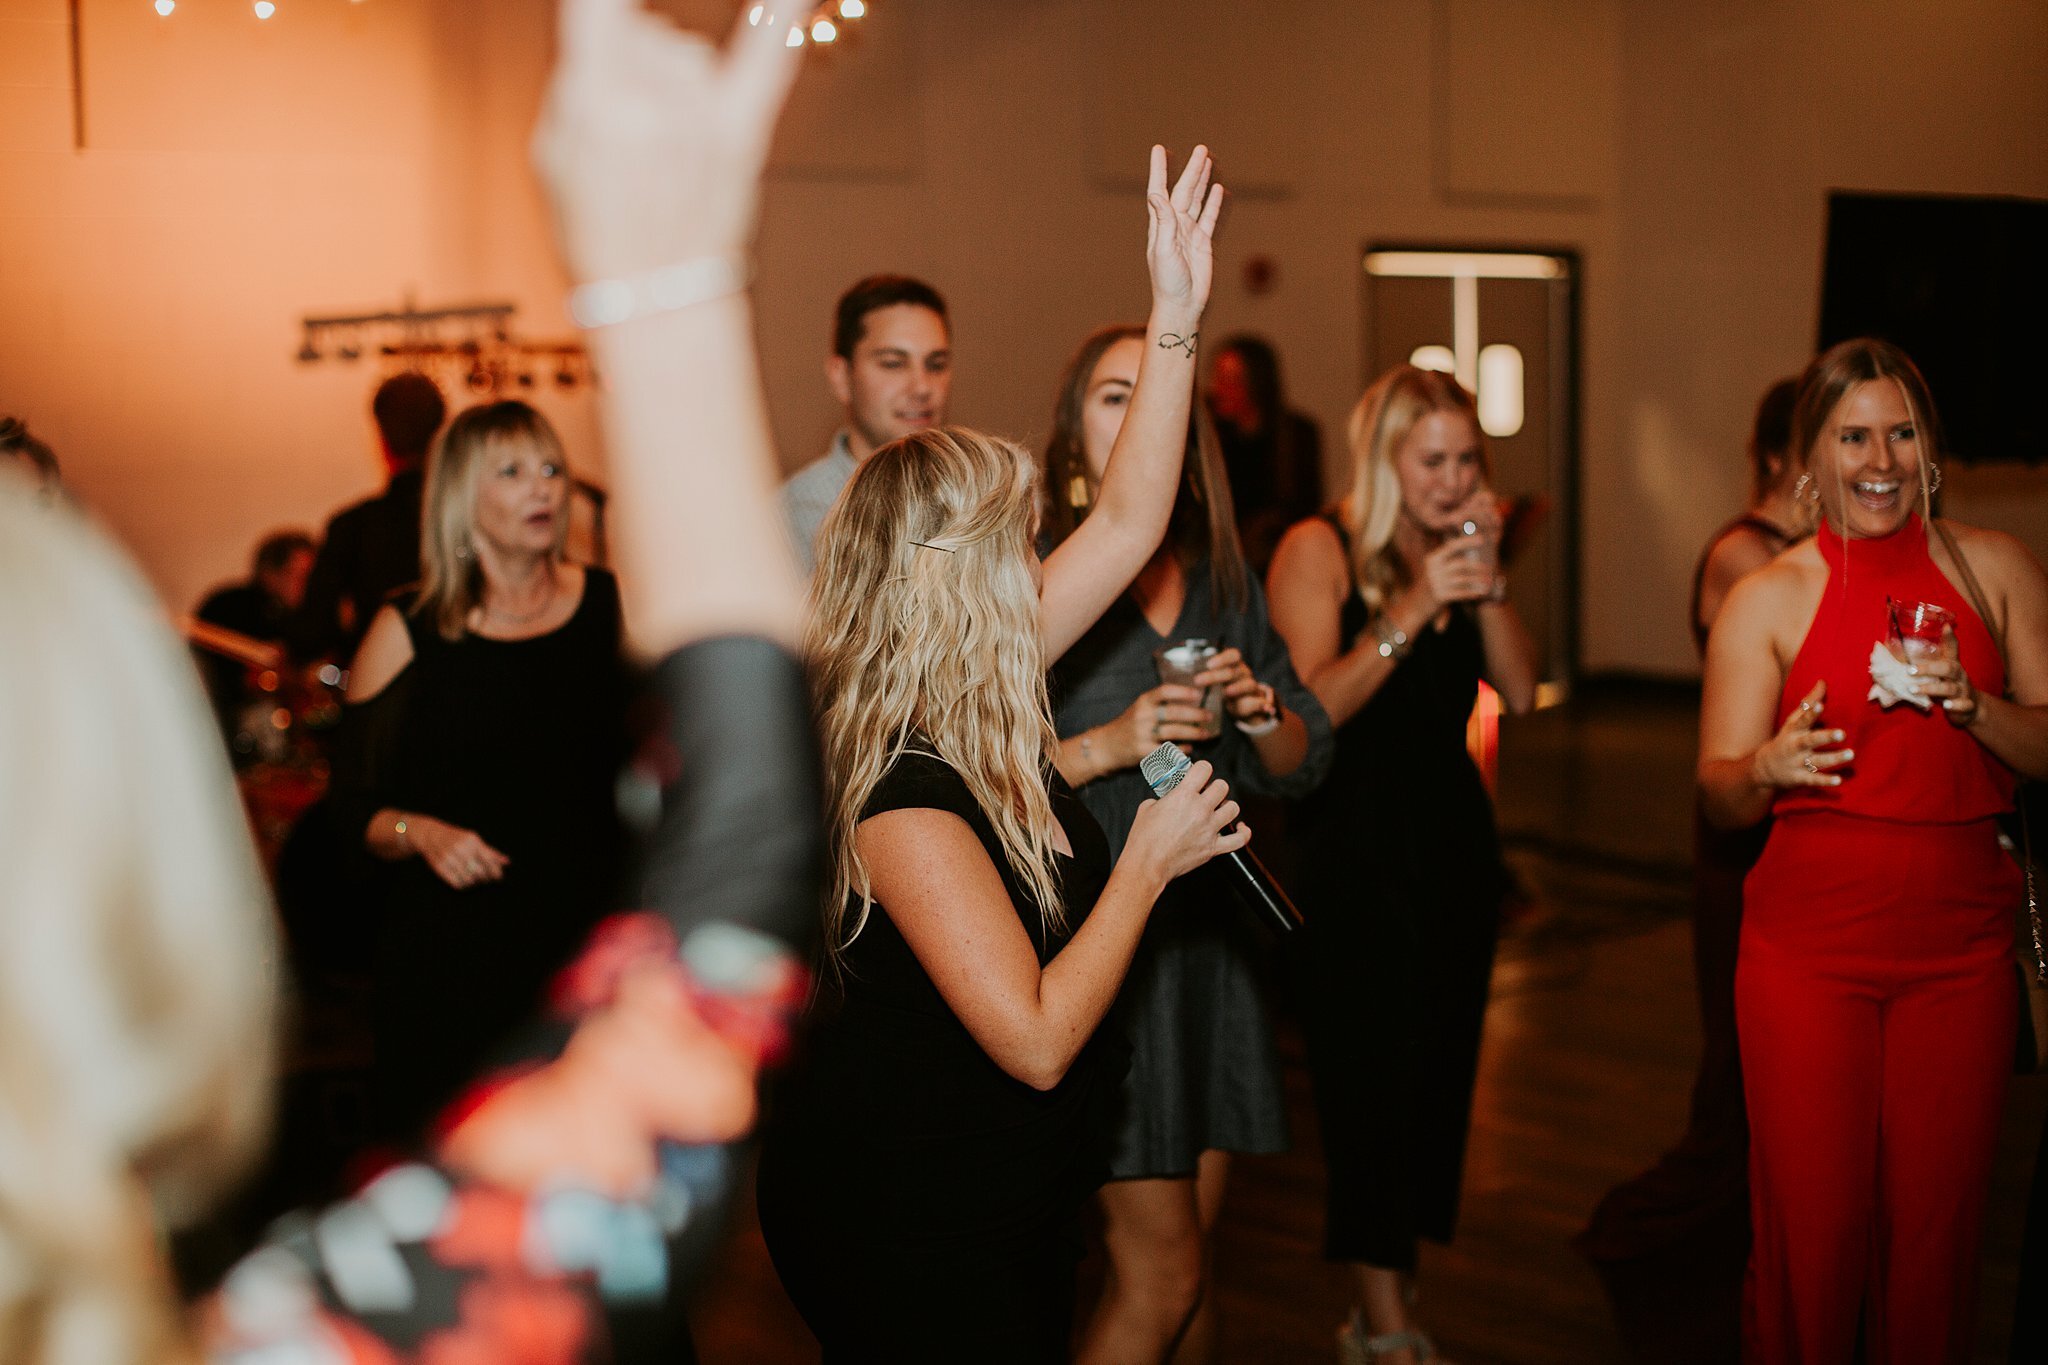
<point x="1245" y="698"/>
<point x="1943" y="678"/>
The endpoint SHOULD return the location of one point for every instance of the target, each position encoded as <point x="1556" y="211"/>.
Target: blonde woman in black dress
<point x="485" y="734"/>
<point x="923" y="1173"/>
<point x="1394" y="612"/>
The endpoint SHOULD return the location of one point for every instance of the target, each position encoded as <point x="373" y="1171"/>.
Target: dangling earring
<point x="1933" y="478"/>
<point x="1806" y="490"/>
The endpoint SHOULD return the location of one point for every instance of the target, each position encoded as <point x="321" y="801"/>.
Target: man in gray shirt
<point x="891" y="368"/>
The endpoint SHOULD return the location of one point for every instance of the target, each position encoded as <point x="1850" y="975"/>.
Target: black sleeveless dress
<point x="920" y="1204"/>
<point x="521" y="741"/>
<point x="1400" y="878"/>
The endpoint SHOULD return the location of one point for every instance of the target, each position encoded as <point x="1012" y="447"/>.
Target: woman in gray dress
<point x="1204" y="1079"/>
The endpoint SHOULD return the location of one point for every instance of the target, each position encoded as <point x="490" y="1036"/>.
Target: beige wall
<point x="1738" y="118"/>
<point x="239" y="175"/>
<point x="239" y="179"/>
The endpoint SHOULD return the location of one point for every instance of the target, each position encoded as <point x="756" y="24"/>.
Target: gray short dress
<point x="1204" y="1073"/>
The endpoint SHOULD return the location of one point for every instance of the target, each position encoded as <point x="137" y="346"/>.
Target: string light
<point x="264" y="9"/>
<point x="164" y="7"/>
<point x="818" y="27"/>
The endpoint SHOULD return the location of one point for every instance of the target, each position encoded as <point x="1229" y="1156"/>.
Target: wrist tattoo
<point x="1169" y="341"/>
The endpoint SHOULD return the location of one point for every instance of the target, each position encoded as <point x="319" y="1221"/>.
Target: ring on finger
<point x="1808" y="763"/>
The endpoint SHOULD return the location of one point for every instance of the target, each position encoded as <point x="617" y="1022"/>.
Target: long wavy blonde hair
<point x="1371" y="511"/>
<point x="924" y="636"/>
<point x="138" y="955"/>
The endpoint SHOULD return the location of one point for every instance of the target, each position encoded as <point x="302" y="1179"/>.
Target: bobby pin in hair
<point x="923" y="545"/>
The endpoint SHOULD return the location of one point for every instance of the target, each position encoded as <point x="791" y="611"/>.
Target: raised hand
<point x="652" y="141"/>
<point x="1180" y="231"/>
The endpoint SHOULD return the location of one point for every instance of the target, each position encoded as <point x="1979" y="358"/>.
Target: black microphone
<point x="1163" y="768"/>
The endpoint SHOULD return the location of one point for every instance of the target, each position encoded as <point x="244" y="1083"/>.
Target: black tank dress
<point x="521" y="741"/>
<point x="1400" y="878"/>
<point x="920" y="1204"/>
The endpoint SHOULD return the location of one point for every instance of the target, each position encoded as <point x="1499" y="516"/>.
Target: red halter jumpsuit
<point x="1874" y="998"/>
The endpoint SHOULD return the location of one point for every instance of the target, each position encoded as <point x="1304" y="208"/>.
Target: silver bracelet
<point x="1393" y="641"/>
<point x="1253" y="729"/>
<point x="606" y="303"/>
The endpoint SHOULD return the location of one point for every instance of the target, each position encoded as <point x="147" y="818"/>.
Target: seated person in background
<point x="372" y="548"/>
<point x="260" y="610"/>
<point x="891" y="368"/>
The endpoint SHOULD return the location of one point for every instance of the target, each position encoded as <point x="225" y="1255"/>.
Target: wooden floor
<point x="1589" y="1050"/>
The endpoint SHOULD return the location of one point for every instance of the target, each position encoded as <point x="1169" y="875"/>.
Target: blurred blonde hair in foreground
<point x="138" y="954"/>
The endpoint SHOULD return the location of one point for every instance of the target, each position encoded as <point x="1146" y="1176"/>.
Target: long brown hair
<point x="1397" y="400"/>
<point x="451" y="580"/>
<point x="1204" y="522"/>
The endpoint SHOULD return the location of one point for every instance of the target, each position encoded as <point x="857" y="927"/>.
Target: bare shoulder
<point x="384" y="653"/>
<point x="2002" y="558"/>
<point x="1745" y="541"/>
<point x="1740" y="551"/>
<point x="1310" y="552"/>
<point x="1777" y="600"/>
<point x="908" y="843"/>
<point x="1784" y="579"/>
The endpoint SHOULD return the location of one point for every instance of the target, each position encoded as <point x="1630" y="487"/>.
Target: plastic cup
<point x="1182" y="663"/>
<point x="1477" y="545"/>
<point x="1923" y="630"/>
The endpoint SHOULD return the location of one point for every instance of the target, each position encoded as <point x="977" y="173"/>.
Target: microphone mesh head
<point x="1163" y="768"/>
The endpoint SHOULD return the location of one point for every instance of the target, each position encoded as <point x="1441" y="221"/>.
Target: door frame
<point x="1565" y="400"/>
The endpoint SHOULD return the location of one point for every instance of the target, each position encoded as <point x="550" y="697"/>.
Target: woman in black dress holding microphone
<point x="925" y="1165"/>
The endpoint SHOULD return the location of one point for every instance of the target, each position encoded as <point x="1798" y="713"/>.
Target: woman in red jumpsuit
<point x="1874" y="982"/>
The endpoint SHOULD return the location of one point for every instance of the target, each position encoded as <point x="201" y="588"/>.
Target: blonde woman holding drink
<point x="1393" y="608"/>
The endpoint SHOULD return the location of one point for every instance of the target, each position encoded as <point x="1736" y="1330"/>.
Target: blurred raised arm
<point x="652" y="143"/>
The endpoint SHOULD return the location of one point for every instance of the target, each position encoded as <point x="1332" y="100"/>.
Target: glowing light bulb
<point x="824" y="31"/>
<point x="264" y="9"/>
<point x="851" y="9"/>
<point x="164" y="7"/>
<point x="796" y="38"/>
<point x="756" y="14"/>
